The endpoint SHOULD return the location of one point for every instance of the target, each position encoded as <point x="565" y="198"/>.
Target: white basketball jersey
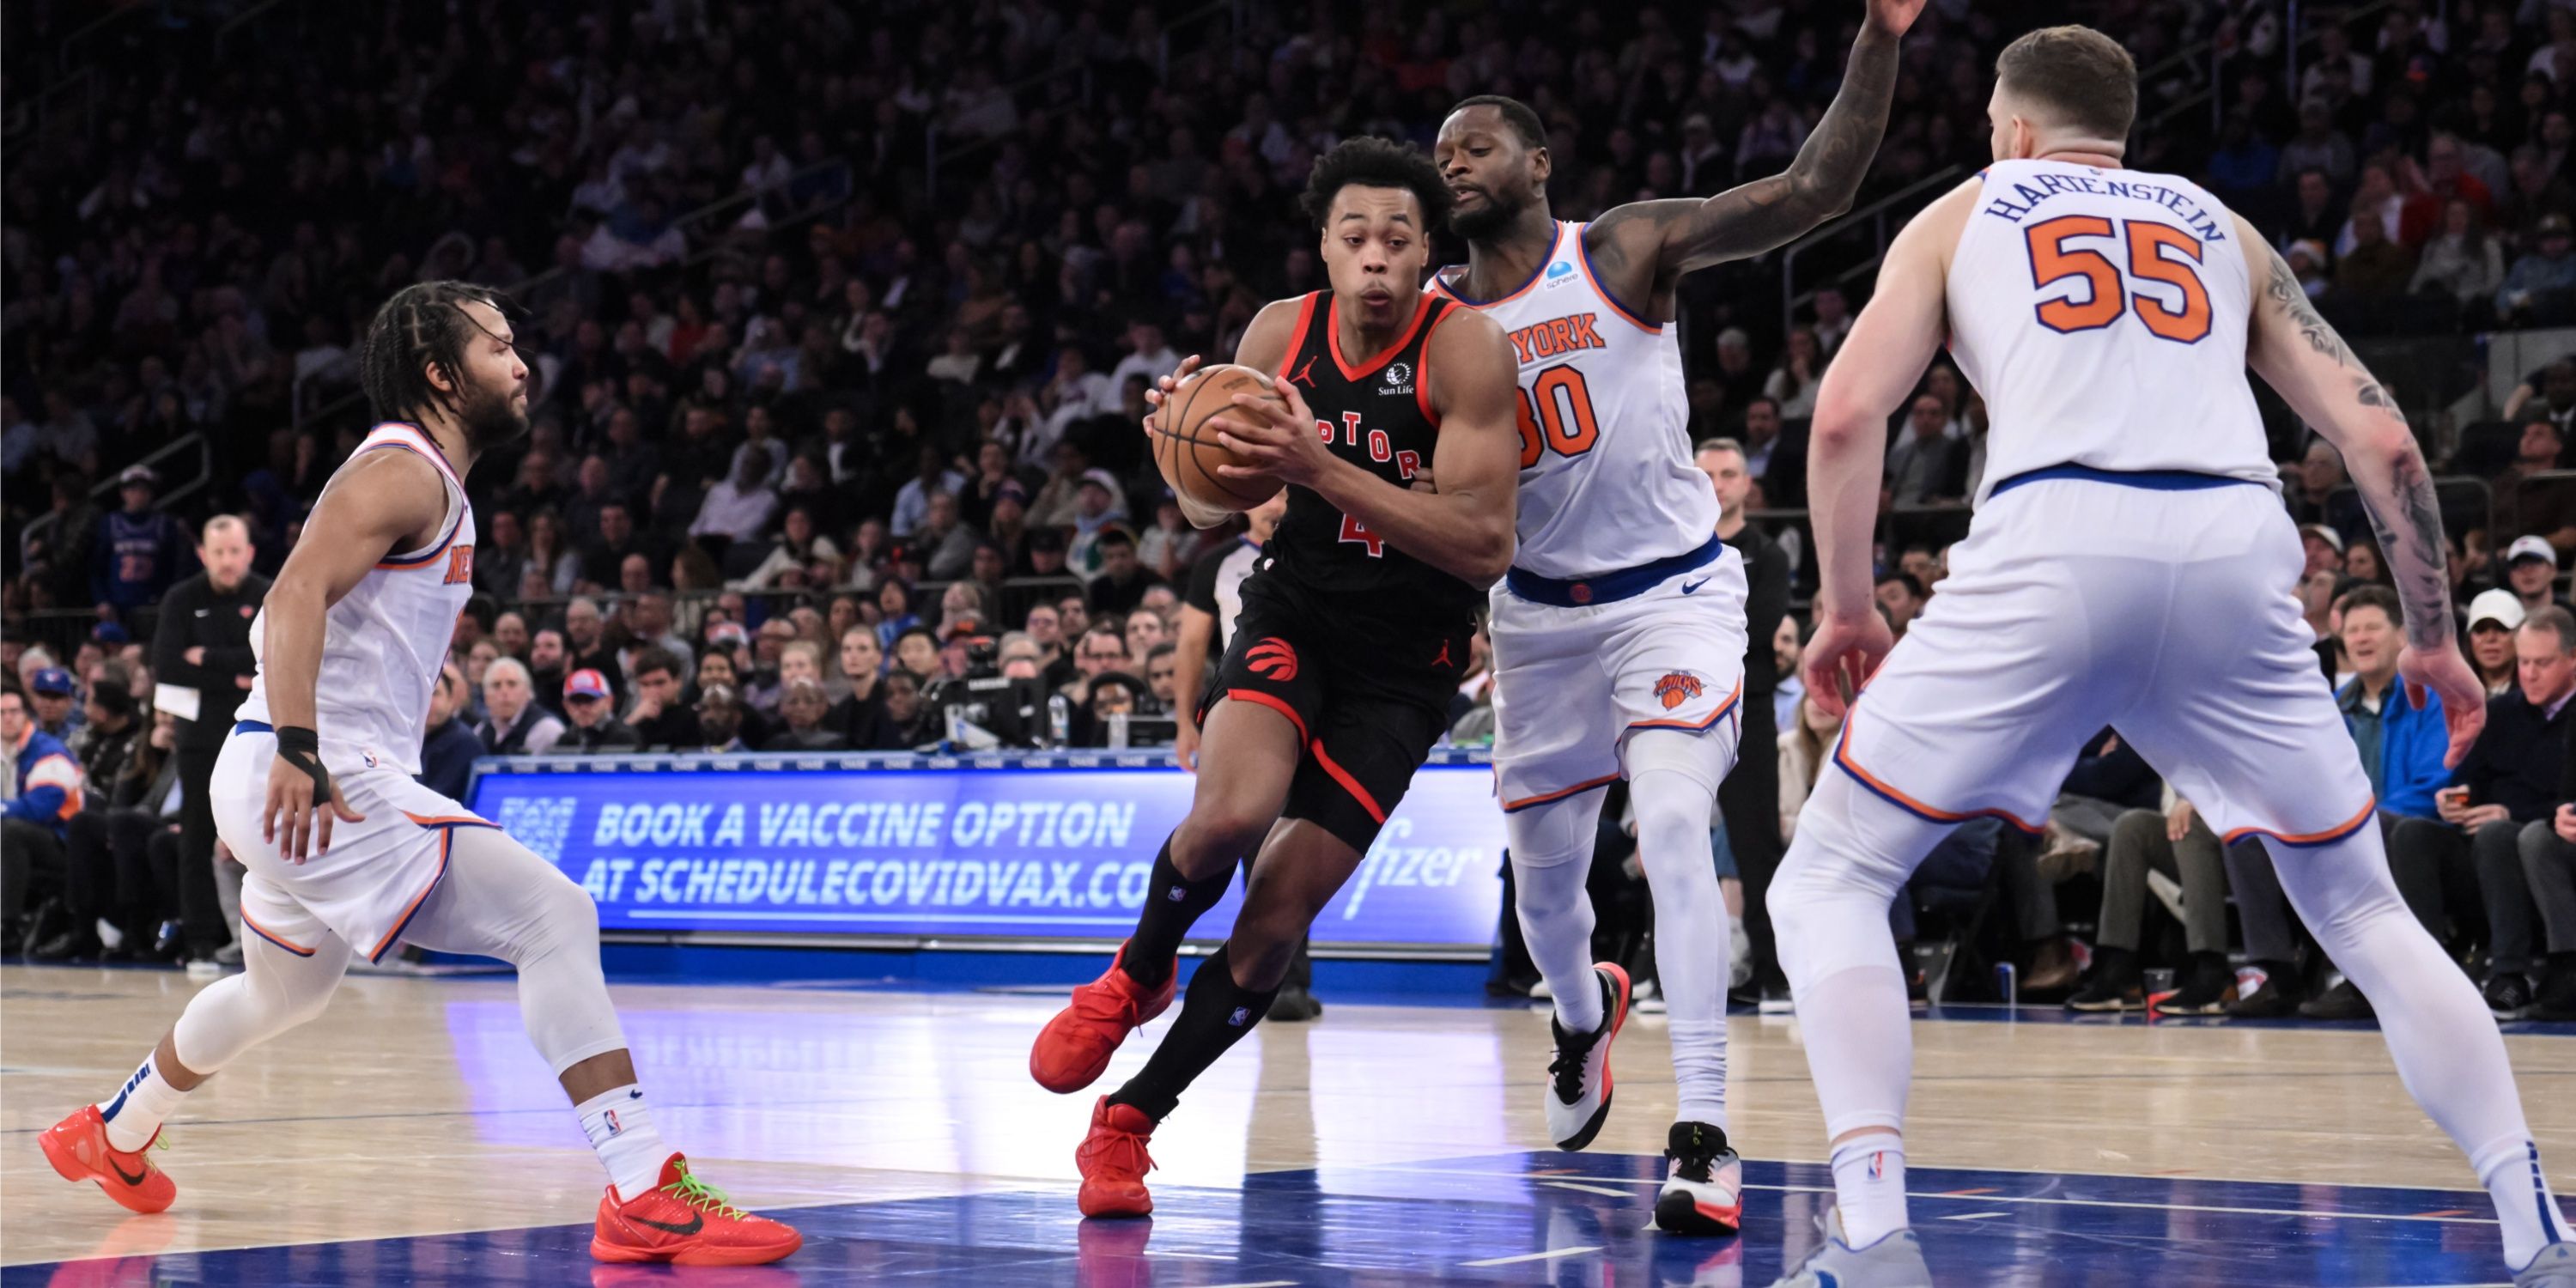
<point x="2102" y="314"/>
<point x="384" y="643"/>
<point x="1607" y="480"/>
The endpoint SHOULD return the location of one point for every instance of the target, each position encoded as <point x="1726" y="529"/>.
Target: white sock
<point x="620" y="1127"/>
<point x="1869" y="1186"/>
<point x="136" y="1112"/>
<point x="2525" y="1209"/>
<point x="1692" y="934"/>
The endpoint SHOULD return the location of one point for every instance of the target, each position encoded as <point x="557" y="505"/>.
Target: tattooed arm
<point x="2301" y="357"/>
<point x="1640" y="249"/>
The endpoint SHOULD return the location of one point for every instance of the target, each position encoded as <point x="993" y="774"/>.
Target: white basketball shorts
<point x="375" y="876"/>
<point x="2159" y="605"/>
<point x="1573" y="680"/>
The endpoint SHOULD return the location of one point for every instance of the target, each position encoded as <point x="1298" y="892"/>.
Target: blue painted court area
<point x="1566" y="1220"/>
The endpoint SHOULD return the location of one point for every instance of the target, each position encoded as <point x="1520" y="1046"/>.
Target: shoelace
<point x="1696" y="1164"/>
<point x="1123" y="1149"/>
<point x="1566" y="1070"/>
<point x="702" y="1196"/>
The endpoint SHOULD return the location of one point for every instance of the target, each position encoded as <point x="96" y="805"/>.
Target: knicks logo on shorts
<point x="1272" y="659"/>
<point x="1678" y="687"/>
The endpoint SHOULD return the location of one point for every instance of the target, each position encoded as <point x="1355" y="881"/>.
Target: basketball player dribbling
<point x="1352" y="636"/>
<point x="1619" y="637"/>
<point x="2125" y="567"/>
<point x="347" y="855"/>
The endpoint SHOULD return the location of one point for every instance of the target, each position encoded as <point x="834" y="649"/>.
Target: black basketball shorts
<point x="1368" y="700"/>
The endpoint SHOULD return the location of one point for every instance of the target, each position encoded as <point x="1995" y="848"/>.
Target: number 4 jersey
<point x="1373" y="411"/>
<point x="2102" y="313"/>
<point x="1607" y="480"/>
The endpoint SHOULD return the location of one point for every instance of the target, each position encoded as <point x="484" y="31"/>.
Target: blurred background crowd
<point x="841" y="320"/>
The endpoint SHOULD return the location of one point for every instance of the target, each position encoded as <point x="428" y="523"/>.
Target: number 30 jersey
<point x="2102" y="313"/>
<point x="1607" y="480"/>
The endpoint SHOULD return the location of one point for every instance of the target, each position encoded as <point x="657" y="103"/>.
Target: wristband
<point x="302" y="748"/>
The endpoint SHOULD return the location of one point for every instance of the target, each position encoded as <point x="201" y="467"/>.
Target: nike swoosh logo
<point x="134" y="1179"/>
<point x="1689" y="586"/>
<point x="697" y="1222"/>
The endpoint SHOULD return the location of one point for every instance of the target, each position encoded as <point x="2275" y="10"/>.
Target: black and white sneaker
<point x="1578" y="1079"/>
<point x="1703" y="1183"/>
<point x="2508" y="994"/>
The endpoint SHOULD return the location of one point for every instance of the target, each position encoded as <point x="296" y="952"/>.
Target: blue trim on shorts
<point x="2151" y="480"/>
<point x="253" y="726"/>
<point x="1611" y="587"/>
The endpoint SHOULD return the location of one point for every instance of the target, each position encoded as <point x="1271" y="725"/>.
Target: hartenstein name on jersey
<point x="2040" y="187"/>
<point x="1543" y="340"/>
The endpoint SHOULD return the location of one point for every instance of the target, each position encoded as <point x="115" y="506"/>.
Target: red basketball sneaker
<point x="1076" y="1045"/>
<point x="686" y="1222"/>
<point x="1113" y="1161"/>
<point x="77" y="1147"/>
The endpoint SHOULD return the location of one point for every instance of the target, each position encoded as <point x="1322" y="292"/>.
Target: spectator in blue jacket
<point x="2401" y="744"/>
<point x="2469" y="855"/>
<point x="449" y="746"/>
<point x="43" y="786"/>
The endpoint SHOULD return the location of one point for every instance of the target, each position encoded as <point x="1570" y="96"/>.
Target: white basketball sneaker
<point x="1703" y="1183"/>
<point x="1578" y="1079"/>
<point x="2554" y="1267"/>
<point x="1895" y="1261"/>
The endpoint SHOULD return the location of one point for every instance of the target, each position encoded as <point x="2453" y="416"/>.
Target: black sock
<point x="1216" y="1014"/>
<point x="1173" y="903"/>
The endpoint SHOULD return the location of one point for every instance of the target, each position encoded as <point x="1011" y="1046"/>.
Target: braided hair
<point x="423" y="326"/>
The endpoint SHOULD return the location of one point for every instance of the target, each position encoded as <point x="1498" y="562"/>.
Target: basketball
<point x="1186" y="447"/>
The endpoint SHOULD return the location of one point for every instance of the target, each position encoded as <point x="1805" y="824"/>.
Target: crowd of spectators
<point x="841" y="321"/>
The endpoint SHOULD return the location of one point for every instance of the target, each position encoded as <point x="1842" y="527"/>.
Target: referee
<point x="203" y="643"/>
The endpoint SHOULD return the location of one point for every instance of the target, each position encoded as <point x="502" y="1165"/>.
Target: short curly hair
<point x="1377" y="163"/>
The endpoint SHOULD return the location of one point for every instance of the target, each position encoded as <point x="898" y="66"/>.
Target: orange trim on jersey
<point x="1297" y="339"/>
<point x="274" y="937"/>
<point x="1560" y="793"/>
<point x="2335" y="833"/>
<point x="1349" y="784"/>
<point x="1422" y="370"/>
<point x="1583" y="260"/>
<point x="448" y="820"/>
<point x="1274" y="702"/>
<point x="1536" y="276"/>
<point x="1422" y="308"/>
<point x="446" y="843"/>
<point x="428" y="447"/>
<point x="1696" y="726"/>
<point x="1843" y="758"/>
<point x="398" y="563"/>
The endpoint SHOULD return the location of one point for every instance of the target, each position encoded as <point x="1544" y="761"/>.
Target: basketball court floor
<point x="411" y="1137"/>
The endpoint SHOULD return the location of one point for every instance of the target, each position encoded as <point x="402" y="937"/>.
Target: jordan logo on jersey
<point x="1677" y="687"/>
<point x="460" y="565"/>
<point x="1547" y="339"/>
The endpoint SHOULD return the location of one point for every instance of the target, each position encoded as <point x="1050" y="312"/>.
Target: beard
<point x="492" y="417"/>
<point x="1488" y="219"/>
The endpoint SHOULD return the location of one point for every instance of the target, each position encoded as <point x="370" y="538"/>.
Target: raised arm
<point x="382" y="501"/>
<point x="2301" y="357"/>
<point x="1872" y="374"/>
<point x="1640" y="248"/>
<point x="1464" y="527"/>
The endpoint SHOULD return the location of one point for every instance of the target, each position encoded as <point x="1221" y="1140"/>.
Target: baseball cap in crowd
<point x="2534" y="547"/>
<point x="110" y="633"/>
<point x="52" y="681"/>
<point x="585" y="683"/>
<point x="2500" y="606"/>
<point x="728" y="633"/>
<point x="1106" y="481"/>
<point x="137" y="475"/>
<point x="2323" y="533"/>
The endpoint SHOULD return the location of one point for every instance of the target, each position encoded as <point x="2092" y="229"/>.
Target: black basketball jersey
<point x="1374" y="413"/>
